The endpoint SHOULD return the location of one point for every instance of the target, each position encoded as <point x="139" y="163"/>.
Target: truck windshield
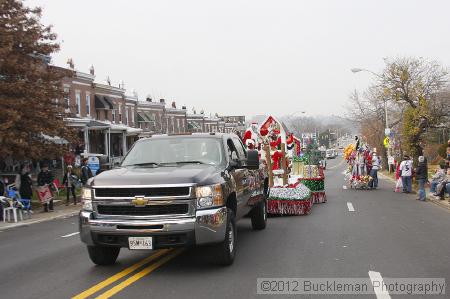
<point x="179" y="150"/>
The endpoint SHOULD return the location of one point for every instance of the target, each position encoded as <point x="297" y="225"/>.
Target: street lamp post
<point x="357" y="70"/>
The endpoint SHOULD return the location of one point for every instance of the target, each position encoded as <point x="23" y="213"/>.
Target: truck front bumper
<point x="208" y="226"/>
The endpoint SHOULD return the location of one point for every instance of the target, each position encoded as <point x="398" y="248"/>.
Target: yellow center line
<point x="94" y="289"/>
<point x="139" y="275"/>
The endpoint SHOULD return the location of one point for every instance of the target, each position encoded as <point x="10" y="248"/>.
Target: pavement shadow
<point x="202" y="258"/>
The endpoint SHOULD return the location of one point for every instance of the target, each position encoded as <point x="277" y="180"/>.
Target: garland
<point x="319" y="197"/>
<point x="293" y="207"/>
<point x="304" y="159"/>
<point x="298" y="192"/>
<point x="314" y="184"/>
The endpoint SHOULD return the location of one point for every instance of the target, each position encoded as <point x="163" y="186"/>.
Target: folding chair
<point x="22" y="203"/>
<point x="10" y="210"/>
<point x="57" y="184"/>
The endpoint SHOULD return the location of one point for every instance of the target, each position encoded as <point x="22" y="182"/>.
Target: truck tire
<point x="259" y="216"/>
<point x="225" y="251"/>
<point x="102" y="255"/>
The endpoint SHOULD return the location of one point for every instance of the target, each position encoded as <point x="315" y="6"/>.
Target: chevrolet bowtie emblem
<point x="139" y="201"/>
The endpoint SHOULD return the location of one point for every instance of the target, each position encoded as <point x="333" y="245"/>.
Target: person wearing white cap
<point x="374" y="171"/>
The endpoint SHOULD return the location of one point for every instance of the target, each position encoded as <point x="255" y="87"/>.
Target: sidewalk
<point x="430" y="198"/>
<point x="61" y="211"/>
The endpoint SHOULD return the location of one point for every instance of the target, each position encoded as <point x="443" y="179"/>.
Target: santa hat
<point x="247" y="135"/>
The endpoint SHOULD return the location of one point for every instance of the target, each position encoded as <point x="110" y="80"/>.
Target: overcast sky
<point x="246" y="57"/>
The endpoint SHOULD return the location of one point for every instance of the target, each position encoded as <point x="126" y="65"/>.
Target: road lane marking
<point x="335" y="166"/>
<point x="70" y="235"/>
<point x="350" y="207"/>
<point x="116" y="289"/>
<point x="94" y="289"/>
<point x="380" y="292"/>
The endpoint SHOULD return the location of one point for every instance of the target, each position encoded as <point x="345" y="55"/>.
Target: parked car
<point x="175" y="191"/>
<point x="330" y="154"/>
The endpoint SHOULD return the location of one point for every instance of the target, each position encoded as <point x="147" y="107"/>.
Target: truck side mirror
<point x="233" y="165"/>
<point x="252" y="160"/>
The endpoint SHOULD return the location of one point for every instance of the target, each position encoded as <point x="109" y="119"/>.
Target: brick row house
<point x="103" y="115"/>
<point x="109" y="120"/>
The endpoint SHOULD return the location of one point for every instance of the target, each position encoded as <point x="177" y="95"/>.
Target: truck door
<point x="246" y="179"/>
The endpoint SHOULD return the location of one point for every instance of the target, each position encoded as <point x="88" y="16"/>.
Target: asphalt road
<point x="387" y="233"/>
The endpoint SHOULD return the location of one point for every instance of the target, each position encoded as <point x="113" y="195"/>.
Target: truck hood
<point x="183" y="174"/>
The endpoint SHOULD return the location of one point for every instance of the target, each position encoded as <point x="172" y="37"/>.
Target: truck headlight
<point x="209" y="196"/>
<point x="86" y="198"/>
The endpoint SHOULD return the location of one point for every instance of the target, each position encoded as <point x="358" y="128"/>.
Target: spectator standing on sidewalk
<point x="69" y="182"/>
<point x="376" y="164"/>
<point x="23" y="183"/>
<point x="422" y="177"/>
<point x="45" y="177"/>
<point x="86" y="172"/>
<point x="406" y="174"/>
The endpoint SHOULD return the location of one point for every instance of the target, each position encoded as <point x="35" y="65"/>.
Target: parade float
<point x="359" y="161"/>
<point x="306" y="170"/>
<point x="288" y="195"/>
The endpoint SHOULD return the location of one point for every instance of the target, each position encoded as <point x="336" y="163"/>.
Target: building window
<point x="67" y="97"/>
<point x="78" y="100"/>
<point x="106" y="114"/>
<point x="114" y="115"/>
<point x="132" y="115"/>
<point x="125" y="120"/>
<point x="88" y="104"/>
<point x="120" y="113"/>
<point x="98" y="114"/>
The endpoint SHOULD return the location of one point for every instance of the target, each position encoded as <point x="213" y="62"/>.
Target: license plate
<point x="140" y="242"/>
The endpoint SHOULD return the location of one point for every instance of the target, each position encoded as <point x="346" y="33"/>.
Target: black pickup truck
<point x="174" y="191"/>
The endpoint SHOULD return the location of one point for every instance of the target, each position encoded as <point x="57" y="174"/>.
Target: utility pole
<point x="387" y="133"/>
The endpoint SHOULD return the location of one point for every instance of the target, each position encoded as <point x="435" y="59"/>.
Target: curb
<point x="429" y="198"/>
<point x="19" y="224"/>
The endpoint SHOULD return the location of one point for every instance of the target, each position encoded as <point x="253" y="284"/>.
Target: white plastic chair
<point x="14" y="211"/>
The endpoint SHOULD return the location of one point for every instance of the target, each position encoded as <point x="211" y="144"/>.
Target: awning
<point x="54" y="139"/>
<point x="133" y="131"/>
<point x="115" y="127"/>
<point x="194" y="125"/>
<point x="150" y="116"/>
<point x="102" y="102"/>
<point x="96" y="125"/>
<point x="142" y="117"/>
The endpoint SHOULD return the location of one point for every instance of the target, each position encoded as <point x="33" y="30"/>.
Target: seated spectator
<point x="438" y="176"/>
<point x="442" y="186"/>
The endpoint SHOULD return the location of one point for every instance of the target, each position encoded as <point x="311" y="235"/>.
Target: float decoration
<point x="279" y="149"/>
<point x="290" y="200"/>
<point x="359" y="162"/>
<point x="317" y="187"/>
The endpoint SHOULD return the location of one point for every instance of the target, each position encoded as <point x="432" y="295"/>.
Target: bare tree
<point x="412" y="90"/>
